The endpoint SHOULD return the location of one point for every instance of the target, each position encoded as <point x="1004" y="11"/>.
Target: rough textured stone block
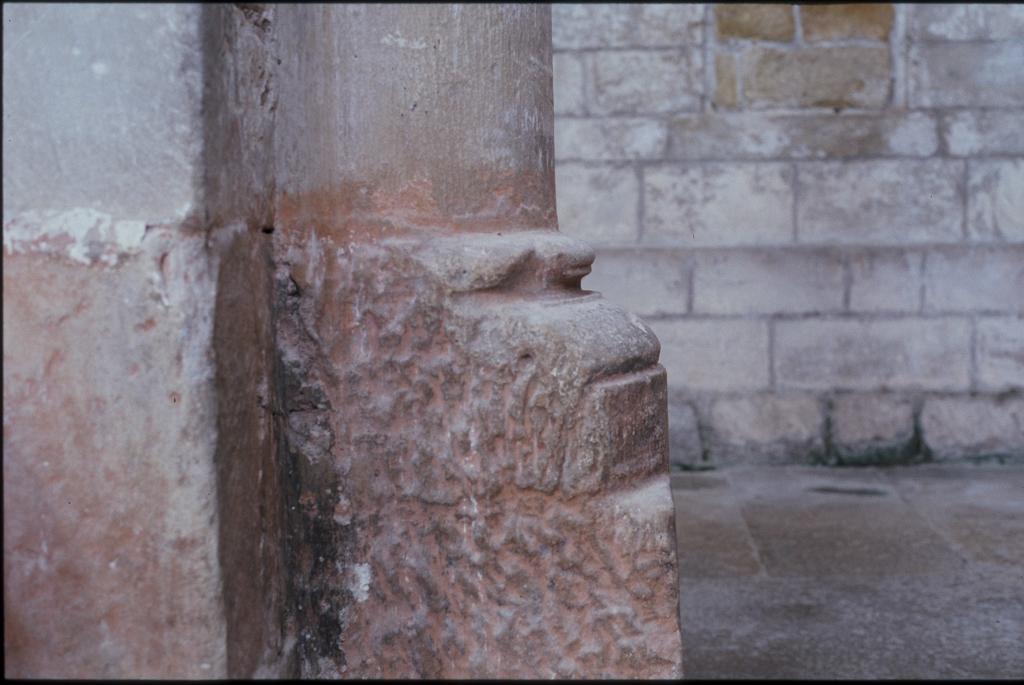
<point x="645" y="82"/>
<point x="965" y="21"/>
<point x="643" y="282"/>
<point x="610" y="447"/>
<point x="754" y="21"/>
<point x="757" y="135"/>
<point x="714" y="355"/>
<point x="885" y="281"/>
<point x="974" y="279"/>
<point x="957" y="427"/>
<point x="893" y="201"/>
<point x="931" y="354"/>
<point x="767" y="282"/>
<point x="609" y="139"/>
<point x="852" y="76"/>
<point x="567" y="72"/>
<point x="640" y="25"/>
<point x="987" y="132"/>
<point x="839" y="22"/>
<point x="1000" y="353"/>
<point x="766" y="428"/>
<point x="867" y="428"/>
<point x="684" y="435"/>
<point x="598" y="203"/>
<point x="726" y="90"/>
<point x="995" y="199"/>
<point x="966" y="74"/>
<point x="718" y="204"/>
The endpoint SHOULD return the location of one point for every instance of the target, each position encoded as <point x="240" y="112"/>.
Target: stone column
<point x="476" y="446"/>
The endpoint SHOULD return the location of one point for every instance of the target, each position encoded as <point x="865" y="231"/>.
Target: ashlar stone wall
<point x="820" y="212"/>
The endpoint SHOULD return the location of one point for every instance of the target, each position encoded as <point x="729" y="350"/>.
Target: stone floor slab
<point x="911" y="572"/>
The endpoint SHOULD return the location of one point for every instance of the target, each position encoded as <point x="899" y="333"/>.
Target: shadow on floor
<point x="817" y="572"/>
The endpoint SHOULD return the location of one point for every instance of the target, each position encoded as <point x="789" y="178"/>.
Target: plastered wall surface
<point x="820" y="212"/>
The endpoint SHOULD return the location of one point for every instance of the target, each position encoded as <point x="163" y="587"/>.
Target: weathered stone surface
<point x="86" y="88"/>
<point x="719" y="355"/>
<point x="109" y="480"/>
<point x="110" y="432"/>
<point x="985" y="132"/>
<point x="930" y="354"/>
<point x="671" y="81"/>
<point x="868" y="428"/>
<point x="1000" y="353"/>
<point x="840" y="22"/>
<point x="757" y="22"/>
<point x="852" y="76"/>
<point x="609" y="139"/>
<point x="996" y="275"/>
<point x="966" y="22"/>
<point x="754" y="281"/>
<point x="956" y="427"/>
<point x="726" y="89"/>
<point x="766" y="429"/>
<point x="880" y="202"/>
<point x="598" y="203"/>
<point x="885" y="281"/>
<point x="471" y="500"/>
<point x="644" y="282"/>
<point x="510" y="356"/>
<point x="757" y="135"/>
<point x="641" y="25"/>
<point x="718" y="204"/>
<point x="966" y="74"/>
<point x="995" y="200"/>
<point x="567" y="72"/>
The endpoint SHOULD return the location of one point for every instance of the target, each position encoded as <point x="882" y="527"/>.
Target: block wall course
<point x="952" y="22"/>
<point x="912" y="353"/>
<point x="718" y="204"/>
<point x="598" y="203"/>
<point x="721" y="355"/>
<point x="755" y="21"/>
<point x="842" y="184"/>
<point x="1000" y="353"/>
<point x="970" y="132"/>
<point x="767" y="282"/>
<point x="619" y="25"/>
<point x="995" y="199"/>
<point x="864" y="425"/>
<point x="966" y="74"/>
<point x="835" y="77"/>
<point x="671" y="82"/>
<point x="648" y="284"/>
<point x="885" y="281"/>
<point x="956" y="427"/>
<point x="881" y="202"/>
<point x="766" y="428"/>
<point x="759" y="135"/>
<point x="609" y="139"/>
<point x="974" y="278"/>
<point x="839" y="22"/>
<point x="567" y="70"/>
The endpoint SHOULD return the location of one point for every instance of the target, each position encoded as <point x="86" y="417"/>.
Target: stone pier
<point x="410" y="444"/>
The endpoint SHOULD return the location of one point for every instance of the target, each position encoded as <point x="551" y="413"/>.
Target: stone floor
<point x="804" y="572"/>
